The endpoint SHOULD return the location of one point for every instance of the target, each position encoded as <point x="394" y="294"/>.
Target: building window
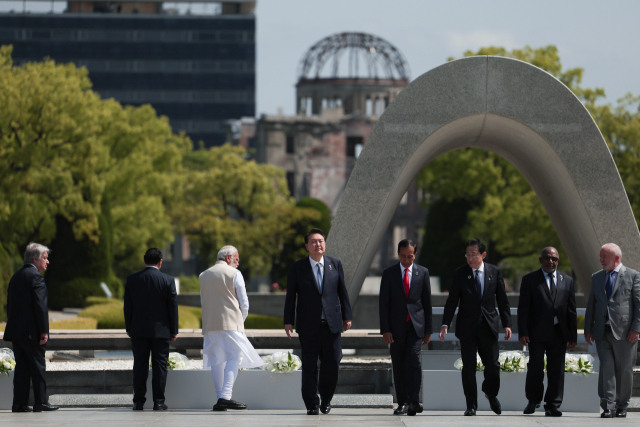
<point x="291" y="183"/>
<point x="291" y="148"/>
<point x="354" y="146"/>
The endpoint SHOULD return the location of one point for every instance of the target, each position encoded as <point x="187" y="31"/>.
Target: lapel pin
<point x="329" y="267"/>
<point x="489" y="277"/>
<point x="416" y="273"/>
<point x="561" y="278"/>
<point x="469" y="277"/>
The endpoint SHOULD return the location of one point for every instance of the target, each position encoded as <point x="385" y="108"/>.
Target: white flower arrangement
<point x="578" y="363"/>
<point x="510" y="361"/>
<point x="281" y="362"/>
<point x="175" y="361"/>
<point x="7" y="361"/>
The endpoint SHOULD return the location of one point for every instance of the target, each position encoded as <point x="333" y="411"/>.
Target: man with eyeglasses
<point x="613" y="321"/>
<point x="547" y="323"/>
<point x="475" y="288"/>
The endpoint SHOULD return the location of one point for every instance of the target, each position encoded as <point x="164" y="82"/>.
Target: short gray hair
<point x="613" y="248"/>
<point x="34" y="251"/>
<point x="226" y="250"/>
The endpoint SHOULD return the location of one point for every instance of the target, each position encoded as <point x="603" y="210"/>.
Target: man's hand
<point x="173" y="338"/>
<point x="443" y="332"/>
<point x="346" y="325"/>
<point x="426" y="339"/>
<point x="571" y="346"/>
<point x="633" y="336"/>
<point x="588" y="338"/>
<point x="44" y="338"/>
<point x="524" y="340"/>
<point x="387" y="337"/>
<point x="288" y="329"/>
<point x="507" y="334"/>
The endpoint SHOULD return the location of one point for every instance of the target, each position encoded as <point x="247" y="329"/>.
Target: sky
<point x="601" y="37"/>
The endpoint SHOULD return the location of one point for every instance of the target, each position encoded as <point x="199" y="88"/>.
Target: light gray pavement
<point x="338" y="417"/>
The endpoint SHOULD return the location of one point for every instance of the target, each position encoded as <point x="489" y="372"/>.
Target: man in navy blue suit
<point x="405" y="323"/>
<point x="323" y="311"/>
<point x="151" y="318"/>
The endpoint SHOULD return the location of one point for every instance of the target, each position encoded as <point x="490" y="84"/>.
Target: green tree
<point x="324" y="223"/>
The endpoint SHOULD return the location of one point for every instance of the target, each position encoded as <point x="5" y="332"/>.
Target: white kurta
<point x="220" y="346"/>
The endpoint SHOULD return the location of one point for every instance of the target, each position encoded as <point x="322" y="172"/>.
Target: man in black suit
<point x="476" y="287"/>
<point x="28" y="329"/>
<point x="151" y="317"/>
<point x="405" y="323"/>
<point x="547" y="321"/>
<point x="323" y="311"/>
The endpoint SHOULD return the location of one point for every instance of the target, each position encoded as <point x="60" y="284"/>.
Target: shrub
<point x="188" y="318"/>
<point x="75" y="323"/>
<point x="75" y="292"/>
<point x="189" y="284"/>
<point x="108" y="316"/>
<point x="261" y="321"/>
<point x="89" y="301"/>
<point x="580" y="322"/>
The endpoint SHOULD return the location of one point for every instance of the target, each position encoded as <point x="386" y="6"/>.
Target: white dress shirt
<point x="555" y="281"/>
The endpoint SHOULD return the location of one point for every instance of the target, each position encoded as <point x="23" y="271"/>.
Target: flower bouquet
<point x="7" y="361"/>
<point x="175" y="361"/>
<point x="479" y="366"/>
<point x="510" y="361"/>
<point x="578" y="363"/>
<point x="281" y="362"/>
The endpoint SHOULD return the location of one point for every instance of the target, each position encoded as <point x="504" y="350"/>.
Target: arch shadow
<point x="514" y="110"/>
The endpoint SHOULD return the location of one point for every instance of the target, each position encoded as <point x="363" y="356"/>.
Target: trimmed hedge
<point x="189" y="284"/>
<point x="75" y="323"/>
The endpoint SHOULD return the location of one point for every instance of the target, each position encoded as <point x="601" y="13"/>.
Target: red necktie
<point x="406" y="288"/>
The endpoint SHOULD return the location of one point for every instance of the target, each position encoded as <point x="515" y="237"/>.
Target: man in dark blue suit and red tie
<point x="322" y="312"/>
<point x="405" y="323"/>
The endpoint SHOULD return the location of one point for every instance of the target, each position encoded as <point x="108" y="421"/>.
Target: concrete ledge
<point x="92" y="400"/>
<point x="362" y="401"/>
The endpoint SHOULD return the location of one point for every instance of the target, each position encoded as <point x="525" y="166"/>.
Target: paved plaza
<point x="339" y="417"/>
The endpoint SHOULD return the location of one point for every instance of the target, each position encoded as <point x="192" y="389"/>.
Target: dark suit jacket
<point x="536" y="310"/>
<point x="151" y="304"/>
<point x="393" y="301"/>
<point x="301" y="283"/>
<point x="27" y="312"/>
<point x="463" y="291"/>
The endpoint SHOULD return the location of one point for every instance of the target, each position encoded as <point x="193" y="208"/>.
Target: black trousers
<point x="405" y="358"/>
<point x="556" y="350"/>
<point x="30" y="368"/>
<point x="159" y="350"/>
<point x="485" y="344"/>
<point x="328" y="347"/>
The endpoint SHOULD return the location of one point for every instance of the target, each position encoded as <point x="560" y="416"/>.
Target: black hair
<point x="313" y="231"/>
<point x="406" y="243"/>
<point x="476" y="242"/>
<point x="153" y="256"/>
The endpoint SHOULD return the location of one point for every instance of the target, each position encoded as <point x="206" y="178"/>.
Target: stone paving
<point x="338" y="417"/>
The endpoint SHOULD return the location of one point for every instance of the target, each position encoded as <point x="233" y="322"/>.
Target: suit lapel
<point x="488" y="280"/>
<point x="311" y="276"/>
<point x="328" y="269"/>
<point x="543" y="277"/>
<point x="471" y="281"/>
<point x="560" y="285"/>
<point x="415" y="275"/>
<point x="621" y="273"/>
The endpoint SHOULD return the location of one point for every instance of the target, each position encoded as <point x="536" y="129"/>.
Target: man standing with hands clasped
<point x="476" y="287"/>
<point x="405" y="323"/>
<point x="322" y="313"/>
<point x="547" y="322"/>
<point x="613" y="320"/>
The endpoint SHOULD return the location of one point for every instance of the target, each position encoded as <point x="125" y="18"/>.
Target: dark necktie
<point x="552" y="288"/>
<point x="608" y="284"/>
<point x="406" y="283"/>
<point x="478" y="284"/>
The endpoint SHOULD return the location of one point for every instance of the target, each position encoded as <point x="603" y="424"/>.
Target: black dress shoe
<point x="552" y="411"/>
<point x="469" y="412"/>
<point x="608" y="413"/>
<point x="224" y="404"/>
<point x="21" y="408"/>
<point x="160" y="407"/>
<point x="401" y="409"/>
<point x="621" y="413"/>
<point x="531" y="407"/>
<point x="39" y="407"/>
<point x="313" y="411"/>
<point x="495" y="404"/>
<point x="138" y="406"/>
<point x="414" y="408"/>
<point x="325" y="408"/>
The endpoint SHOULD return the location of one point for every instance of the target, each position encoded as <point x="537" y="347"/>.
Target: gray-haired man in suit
<point x="613" y="320"/>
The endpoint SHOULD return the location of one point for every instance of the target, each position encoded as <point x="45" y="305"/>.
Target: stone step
<point x="124" y="400"/>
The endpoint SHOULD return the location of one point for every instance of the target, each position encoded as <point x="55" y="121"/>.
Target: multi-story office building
<point x="199" y="70"/>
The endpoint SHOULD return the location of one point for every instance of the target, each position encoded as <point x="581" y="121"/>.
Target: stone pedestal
<point x="6" y="391"/>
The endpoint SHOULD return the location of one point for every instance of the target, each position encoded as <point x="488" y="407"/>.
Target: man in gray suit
<point x="613" y="320"/>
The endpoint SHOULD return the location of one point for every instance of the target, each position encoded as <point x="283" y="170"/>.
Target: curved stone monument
<point x="510" y="108"/>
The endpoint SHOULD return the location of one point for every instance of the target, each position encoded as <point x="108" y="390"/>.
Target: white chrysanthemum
<point x="458" y="364"/>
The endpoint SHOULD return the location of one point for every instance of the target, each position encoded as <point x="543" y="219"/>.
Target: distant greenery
<point x="74" y="323"/>
<point x="189" y="284"/>
<point x="261" y="321"/>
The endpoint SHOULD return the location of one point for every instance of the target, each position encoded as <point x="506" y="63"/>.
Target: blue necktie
<point x="478" y="284"/>
<point x="319" y="277"/>
<point x="608" y="284"/>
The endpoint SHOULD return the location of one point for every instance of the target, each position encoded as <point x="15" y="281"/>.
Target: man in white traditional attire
<point x="225" y="307"/>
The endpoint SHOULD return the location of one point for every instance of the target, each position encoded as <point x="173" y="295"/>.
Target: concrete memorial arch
<point x="510" y="108"/>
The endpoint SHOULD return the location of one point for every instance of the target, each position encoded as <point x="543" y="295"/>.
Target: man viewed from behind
<point x="151" y="318"/>
<point x="405" y="323"/>
<point x="225" y="307"/>
<point x="475" y="288"/>
<point x="613" y="321"/>
<point x="28" y="329"/>
<point x="547" y="323"/>
<point x="318" y="301"/>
